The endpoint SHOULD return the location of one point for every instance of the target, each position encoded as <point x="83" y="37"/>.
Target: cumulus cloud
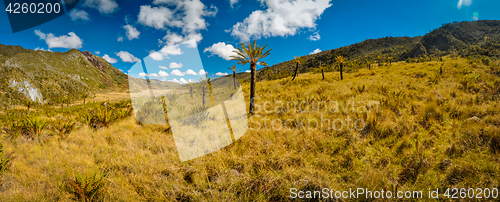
<point x="64" y="41"/>
<point x="97" y="52"/>
<point x="232" y="2"/>
<point x="120" y="39"/>
<point x="463" y="3"/>
<point x="190" y="72"/>
<point x="175" y="80"/>
<point x="156" y="56"/>
<point x="142" y="74"/>
<point x="127" y="57"/>
<point x="176" y="72"/>
<point x="131" y="32"/>
<point x="163" y="73"/>
<point x="76" y="14"/>
<point x="153" y="75"/>
<point x="183" y="81"/>
<point x="248" y="71"/>
<point x="42" y="49"/>
<point x="221" y="74"/>
<point x="314" y="37"/>
<point x="109" y="59"/>
<point x="103" y="6"/>
<point x="282" y="18"/>
<point x="223" y="50"/>
<point x="202" y="72"/>
<point x="187" y="16"/>
<point x="162" y="67"/>
<point x="315" y="51"/>
<point x="175" y="65"/>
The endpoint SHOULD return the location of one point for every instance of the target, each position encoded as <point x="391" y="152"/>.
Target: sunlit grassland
<point x="428" y="131"/>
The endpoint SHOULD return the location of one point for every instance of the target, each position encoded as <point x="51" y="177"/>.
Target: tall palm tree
<point x="233" y="67"/>
<point x="191" y="84"/>
<point x="251" y="54"/>
<point x="298" y="61"/>
<point x="84" y="96"/>
<point x="340" y="59"/>
<point x="322" y="71"/>
<point x="390" y="60"/>
<point x="210" y="90"/>
<point x="379" y="58"/>
<point x="203" y="83"/>
<point x="369" y="64"/>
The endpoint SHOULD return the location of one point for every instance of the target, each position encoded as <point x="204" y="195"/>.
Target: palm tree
<point x="191" y="84"/>
<point x="84" y="96"/>
<point x="210" y="90"/>
<point x="340" y="59"/>
<point x="297" y="60"/>
<point x="322" y="71"/>
<point x="203" y="83"/>
<point x="233" y="67"/>
<point x="369" y="64"/>
<point x="390" y="60"/>
<point x="251" y="54"/>
<point x="379" y="58"/>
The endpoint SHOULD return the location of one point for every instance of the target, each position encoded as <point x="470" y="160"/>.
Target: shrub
<point x="63" y="128"/>
<point x="5" y="160"/>
<point x="36" y="127"/>
<point x="86" y="188"/>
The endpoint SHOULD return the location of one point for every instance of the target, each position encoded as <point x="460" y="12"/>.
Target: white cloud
<point x="314" y="37"/>
<point x="97" y="52"/>
<point x="282" y="18"/>
<point x="187" y="16"/>
<point x="42" y="49"/>
<point x="248" y="71"/>
<point x="153" y="75"/>
<point x="232" y="2"/>
<point x="176" y="72"/>
<point x="315" y="51"/>
<point x="175" y="80"/>
<point x="221" y="74"/>
<point x="156" y="56"/>
<point x="142" y="74"/>
<point x="174" y="65"/>
<point x="120" y="39"/>
<point x="163" y="73"/>
<point x="222" y="50"/>
<point x="76" y="14"/>
<point x="65" y="41"/>
<point x="183" y="81"/>
<point x="202" y="72"/>
<point x="171" y="50"/>
<point x="131" y="32"/>
<point x="103" y="6"/>
<point x="463" y="3"/>
<point x="190" y="72"/>
<point x="109" y="59"/>
<point x="162" y="67"/>
<point x="127" y="57"/>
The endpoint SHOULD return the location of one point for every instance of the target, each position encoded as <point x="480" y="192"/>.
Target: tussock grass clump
<point x="86" y="187"/>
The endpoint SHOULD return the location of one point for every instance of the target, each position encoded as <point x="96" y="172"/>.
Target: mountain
<point x="477" y="39"/>
<point x="45" y="76"/>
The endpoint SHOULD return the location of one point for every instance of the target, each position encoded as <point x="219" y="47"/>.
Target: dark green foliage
<point x="86" y="188"/>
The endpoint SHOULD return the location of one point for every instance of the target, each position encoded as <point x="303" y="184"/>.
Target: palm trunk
<point x="323" y="74"/>
<point x="234" y="79"/>
<point x="341" y="65"/>
<point x="83" y="101"/>
<point x="252" y="87"/>
<point x="211" y="93"/>
<point x="203" y="95"/>
<point x="296" y="69"/>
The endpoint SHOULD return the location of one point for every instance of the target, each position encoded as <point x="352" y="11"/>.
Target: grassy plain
<point x="429" y="130"/>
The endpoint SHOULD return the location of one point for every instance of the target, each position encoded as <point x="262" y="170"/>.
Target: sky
<point x="181" y="40"/>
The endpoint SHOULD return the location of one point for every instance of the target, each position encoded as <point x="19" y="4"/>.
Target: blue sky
<point x="162" y="32"/>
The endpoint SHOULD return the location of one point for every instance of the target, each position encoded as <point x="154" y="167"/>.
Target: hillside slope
<point x="476" y="39"/>
<point x="45" y="76"/>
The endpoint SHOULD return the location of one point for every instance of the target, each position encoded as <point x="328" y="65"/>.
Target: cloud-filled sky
<point x="181" y="40"/>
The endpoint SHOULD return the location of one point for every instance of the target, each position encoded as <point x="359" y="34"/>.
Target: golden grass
<point x="424" y="135"/>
